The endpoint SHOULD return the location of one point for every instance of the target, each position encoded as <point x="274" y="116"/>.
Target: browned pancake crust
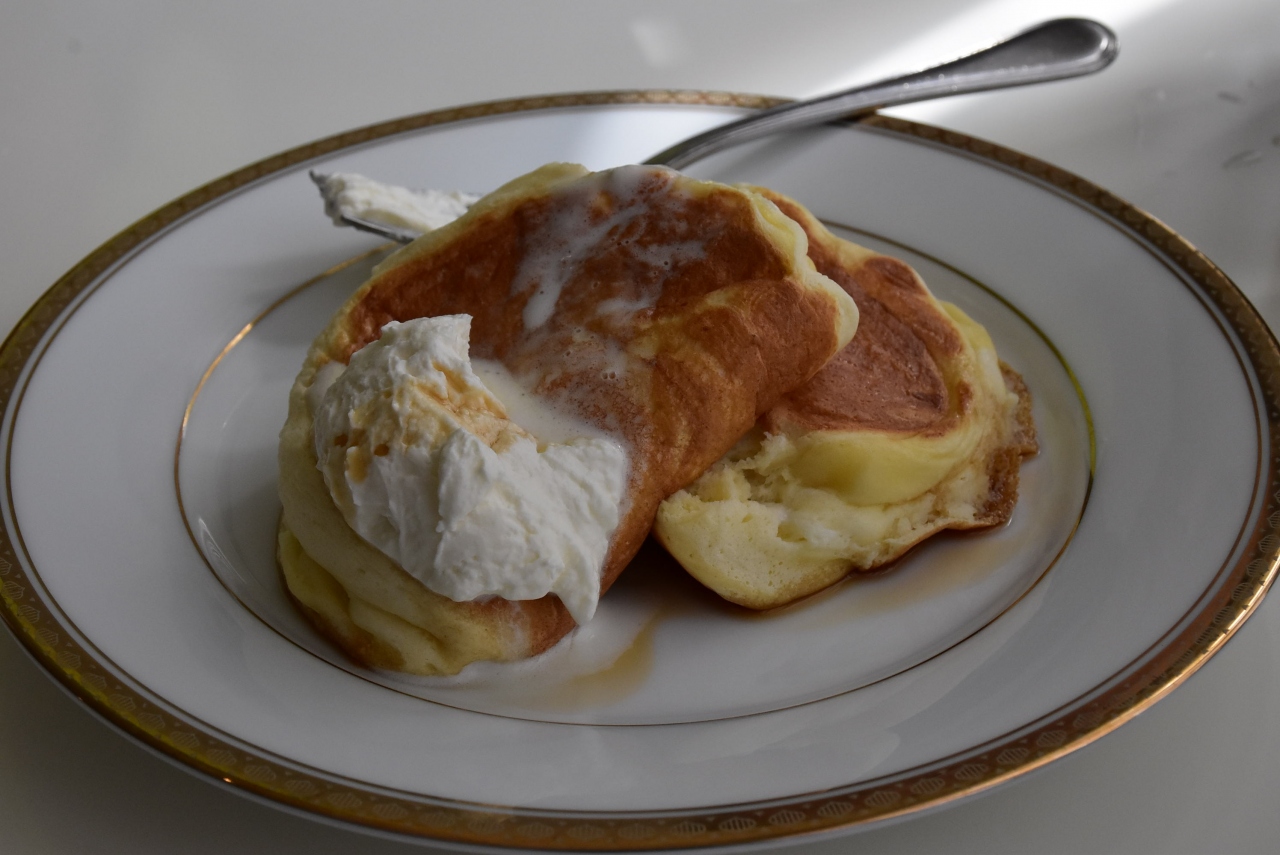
<point x="1007" y="461"/>
<point x="888" y="377"/>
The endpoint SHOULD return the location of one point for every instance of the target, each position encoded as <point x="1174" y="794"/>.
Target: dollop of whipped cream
<point x="424" y="464"/>
<point x="351" y="195"/>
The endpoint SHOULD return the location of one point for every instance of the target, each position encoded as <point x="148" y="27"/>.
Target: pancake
<point x="913" y="428"/>
<point x="666" y="312"/>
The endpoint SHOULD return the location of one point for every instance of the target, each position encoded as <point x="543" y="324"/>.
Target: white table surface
<point x="109" y="110"/>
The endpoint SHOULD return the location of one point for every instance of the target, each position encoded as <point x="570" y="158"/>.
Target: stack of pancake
<point x="705" y="327"/>
<point x="667" y="312"/>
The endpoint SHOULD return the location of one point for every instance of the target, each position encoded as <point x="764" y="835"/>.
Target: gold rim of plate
<point x="1172" y="660"/>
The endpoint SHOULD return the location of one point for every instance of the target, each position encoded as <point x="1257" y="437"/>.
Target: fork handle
<point x="1054" y="50"/>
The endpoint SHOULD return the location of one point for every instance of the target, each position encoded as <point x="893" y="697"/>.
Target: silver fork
<point x="1054" y="50"/>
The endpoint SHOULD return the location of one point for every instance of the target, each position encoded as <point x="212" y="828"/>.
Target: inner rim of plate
<point x="660" y="646"/>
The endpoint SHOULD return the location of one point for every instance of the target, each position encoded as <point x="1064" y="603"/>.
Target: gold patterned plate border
<point x="1241" y="585"/>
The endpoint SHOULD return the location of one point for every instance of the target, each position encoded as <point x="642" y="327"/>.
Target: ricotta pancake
<point x="664" y="314"/>
<point x="914" y="427"/>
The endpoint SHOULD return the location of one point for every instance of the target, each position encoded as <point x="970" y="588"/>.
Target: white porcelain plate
<point x="143" y="393"/>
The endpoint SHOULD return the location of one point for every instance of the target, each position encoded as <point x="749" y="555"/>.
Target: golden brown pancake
<point x="913" y="428"/>
<point x="686" y="310"/>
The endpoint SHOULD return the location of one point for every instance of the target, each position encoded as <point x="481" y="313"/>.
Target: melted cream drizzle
<point x="548" y="422"/>
<point x="576" y="229"/>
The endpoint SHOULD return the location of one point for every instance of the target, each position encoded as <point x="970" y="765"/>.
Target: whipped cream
<point x="347" y="194"/>
<point x="424" y="464"/>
